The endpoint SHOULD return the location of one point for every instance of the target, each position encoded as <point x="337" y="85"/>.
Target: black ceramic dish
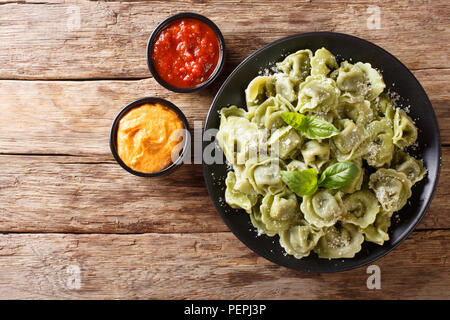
<point x="138" y="103"/>
<point x="398" y="79"/>
<point x="164" y="24"/>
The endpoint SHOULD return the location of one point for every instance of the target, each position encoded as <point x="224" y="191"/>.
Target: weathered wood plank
<point x="82" y="195"/>
<point x="85" y="194"/>
<point x="74" y="117"/>
<point x="435" y="83"/>
<point x="43" y="40"/>
<point x="186" y="251"/>
<point x="203" y="266"/>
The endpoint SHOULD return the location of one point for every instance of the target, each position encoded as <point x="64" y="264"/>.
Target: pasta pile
<point x="372" y="135"/>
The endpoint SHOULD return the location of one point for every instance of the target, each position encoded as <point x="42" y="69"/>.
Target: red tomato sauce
<point x="186" y="53"/>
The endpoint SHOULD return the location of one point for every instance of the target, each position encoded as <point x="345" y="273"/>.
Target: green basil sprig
<point x="310" y="127"/>
<point x="302" y="182"/>
<point x="306" y="182"/>
<point x="338" y="175"/>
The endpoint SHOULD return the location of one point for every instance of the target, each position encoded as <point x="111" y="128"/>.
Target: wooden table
<point x="75" y="225"/>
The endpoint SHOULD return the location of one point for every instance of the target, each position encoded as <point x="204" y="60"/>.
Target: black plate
<point x="398" y="79"/>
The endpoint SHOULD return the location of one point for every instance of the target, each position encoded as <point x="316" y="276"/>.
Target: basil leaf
<point x="310" y="127"/>
<point x="338" y="175"/>
<point x="317" y="128"/>
<point x="302" y="182"/>
<point x="294" y="119"/>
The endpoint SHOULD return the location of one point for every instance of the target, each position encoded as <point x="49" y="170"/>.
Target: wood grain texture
<point x="436" y="88"/>
<point x="74" y="117"/>
<point x="83" y="194"/>
<point x="203" y="266"/>
<point x="42" y="40"/>
<point x="65" y="204"/>
<point x="71" y="194"/>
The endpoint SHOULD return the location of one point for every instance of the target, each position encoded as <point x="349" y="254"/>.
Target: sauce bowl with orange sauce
<point x="149" y="137"/>
<point x="186" y="52"/>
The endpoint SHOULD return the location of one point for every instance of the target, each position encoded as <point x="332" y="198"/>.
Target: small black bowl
<point x="164" y="24"/>
<point x="138" y="103"/>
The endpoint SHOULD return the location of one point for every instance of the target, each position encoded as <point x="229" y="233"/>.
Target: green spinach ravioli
<point x="318" y="157"/>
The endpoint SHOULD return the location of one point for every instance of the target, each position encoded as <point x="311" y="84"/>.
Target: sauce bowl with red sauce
<point x="186" y="52"/>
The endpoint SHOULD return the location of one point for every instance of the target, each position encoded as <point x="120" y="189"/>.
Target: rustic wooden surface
<point x="68" y="211"/>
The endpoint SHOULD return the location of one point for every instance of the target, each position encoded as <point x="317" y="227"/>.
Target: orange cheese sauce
<point x="146" y="137"/>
